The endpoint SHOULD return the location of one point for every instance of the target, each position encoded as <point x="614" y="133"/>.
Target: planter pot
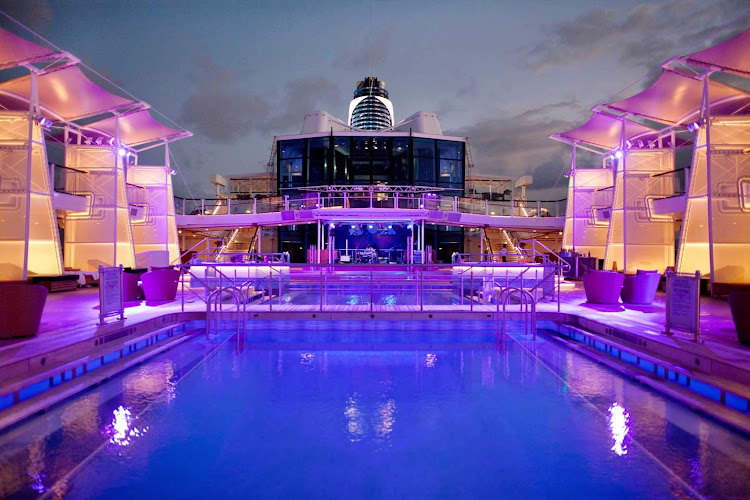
<point x="22" y="307"/>
<point x="739" y="305"/>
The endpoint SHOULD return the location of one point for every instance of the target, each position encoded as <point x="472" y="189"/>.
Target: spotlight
<point x="628" y="144"/>
<point x="390" y="226"/>
<point x="640" y="143"/>
<point x="408" y="227"/>
<point x="651" y="144"/>
<point x="111" y="141"/>
<point x="611" y="157"/>
<point x="172" y="171"/>
<point x="45" y="122"/>
<point x="370" y="226"/>
<point x="332" y="225"/>
<point x="618" y="154"/>
<point x="98" y="141"/>
<point x="68" y="140"/>
<point x="353" y="226"/>
<point x="88" y="141"/>
<point x="122" y="152"/>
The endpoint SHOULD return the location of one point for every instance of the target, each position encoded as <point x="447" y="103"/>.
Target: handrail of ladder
<point x="526" y="304"/>
<point x="215" y="299"/>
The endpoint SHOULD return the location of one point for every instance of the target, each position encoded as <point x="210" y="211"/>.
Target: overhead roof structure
<point x="67" y="95"/>
<point x="14" y="50"/>
<point x="730" y="56"/>
<point x="137" y="128"/>
<point x="671" y="100"/>
<point x="672" y="97"/>
<point x="602" y="131"/>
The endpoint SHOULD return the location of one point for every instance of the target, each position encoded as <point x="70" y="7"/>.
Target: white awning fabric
<point x="15" y="50"/>
<point x="730" y="56"/>
<point x="67" y="93"/>
<point x="135" y="128"/>
<point x="672" y="97"/>
<point x="603" y="131"/>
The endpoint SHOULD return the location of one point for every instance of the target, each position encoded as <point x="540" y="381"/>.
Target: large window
<point x="317" y="163"/>
<point x="400" y="160"/>
<point x="424" y="162"/>
<point x="291" y="163"/>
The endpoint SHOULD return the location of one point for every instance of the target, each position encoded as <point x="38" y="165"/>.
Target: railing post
<point x="229" y="205"/>
<point x="455" y="203"/>
<point x="395" y="202"/>
<point x="538" y="208"/>
<point x="183" y="206"/>
<point x="370" y="196"/>
<point x="255" y="205"/>
<point x="286" y="202"/>
<point x="320" y="289"/>
<point x="512" y="207"/>
<point x="486" y="207"/>
<point x="317" y="204"/>
<point x="557" y="208"/>
<point x="203" y="206"/>
<point x="371" y="294"/>
<point x="471" y="290"/>
<point x="421" y="288"/>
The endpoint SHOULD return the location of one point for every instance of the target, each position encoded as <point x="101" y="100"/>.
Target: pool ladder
<point x="527" y="306"/>
<point x="215" y="305"/>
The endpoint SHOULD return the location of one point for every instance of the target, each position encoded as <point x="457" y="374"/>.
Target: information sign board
<point x="683" y="303"/>
<point x="110" y="293"/>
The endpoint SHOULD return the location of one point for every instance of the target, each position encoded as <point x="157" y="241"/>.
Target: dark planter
<point x="739" y="304"/>
<point x="22" y="307"/>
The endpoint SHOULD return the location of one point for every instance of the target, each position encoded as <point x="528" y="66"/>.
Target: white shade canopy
<point x="67" y="93"/>
<point x="136" y="128"/>
<point x="15" y="50"/>
<point x="603" y="131"/>
<point x="730" y="56"/>
<point x="672" y="97"/>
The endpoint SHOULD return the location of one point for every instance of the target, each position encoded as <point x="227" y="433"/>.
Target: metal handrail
<point x="526" y="302"/>
<point x="206" y="240"/>
<point x="215" y="299"/>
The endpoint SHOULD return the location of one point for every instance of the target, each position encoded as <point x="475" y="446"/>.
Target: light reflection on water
<point x="619" y="423"/>
<point x="122" y="430"/>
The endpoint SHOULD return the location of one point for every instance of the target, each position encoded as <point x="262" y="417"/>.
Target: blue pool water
<point x="373" y="410"/>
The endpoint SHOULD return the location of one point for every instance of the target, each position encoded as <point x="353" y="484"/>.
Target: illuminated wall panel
<point x="44" y="247"/>
<point x="729" y="199"/>
<point x="152" y="193"/>
<point x="637" y="238"/>
<point x="102" y="234"/>
<point x="589" y="191"/>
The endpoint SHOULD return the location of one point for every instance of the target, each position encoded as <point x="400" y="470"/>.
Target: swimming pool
<point x="373" y="409"/>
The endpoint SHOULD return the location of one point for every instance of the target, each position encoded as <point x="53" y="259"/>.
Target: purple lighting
<point x="618" y="154"/>
<point x="122" y="152"/>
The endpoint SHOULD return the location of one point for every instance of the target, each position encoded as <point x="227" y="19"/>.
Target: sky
<point x="505" y="74"/>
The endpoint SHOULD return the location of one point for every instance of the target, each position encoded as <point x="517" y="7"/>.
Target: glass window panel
<point x="292" y="149"/>
<point x="341" y="159"/>
<point x="450" y="173"/>
<point x="400" y="146"/>
<point x="424" y="171"/>
<point x="424" y="148"/>
<point x="291" y="172"/>
<point x="317" y="161"/>
<point x="451" y="149"/>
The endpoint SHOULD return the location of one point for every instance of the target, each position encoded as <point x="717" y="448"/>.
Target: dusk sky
<point x="505" y="74"/>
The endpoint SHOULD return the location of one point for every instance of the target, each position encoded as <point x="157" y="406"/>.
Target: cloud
<point x="370" y="54"/>
<point x="224" y="109"/>
<point x="517" y="145"/>
<point x="645" y="36"/>
<point x="221" y="108"/>
<point x="36" y="14"/>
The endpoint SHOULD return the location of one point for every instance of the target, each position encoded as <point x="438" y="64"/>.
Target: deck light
<point x="98" y="141"/>
<point x="651" y="145"/>
<point x="88" y="141"/>
<point x="122" y="152"/>
<point x="628" y="144"/>
<point x="618" y="154"/>
<point x="640" y="143"/>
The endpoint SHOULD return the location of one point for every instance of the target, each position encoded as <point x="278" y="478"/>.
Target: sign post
<point x="683" y="303"/>
<point x="110" y="293"/>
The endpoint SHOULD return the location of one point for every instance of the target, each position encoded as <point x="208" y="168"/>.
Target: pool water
<point x="373" y="410"/>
